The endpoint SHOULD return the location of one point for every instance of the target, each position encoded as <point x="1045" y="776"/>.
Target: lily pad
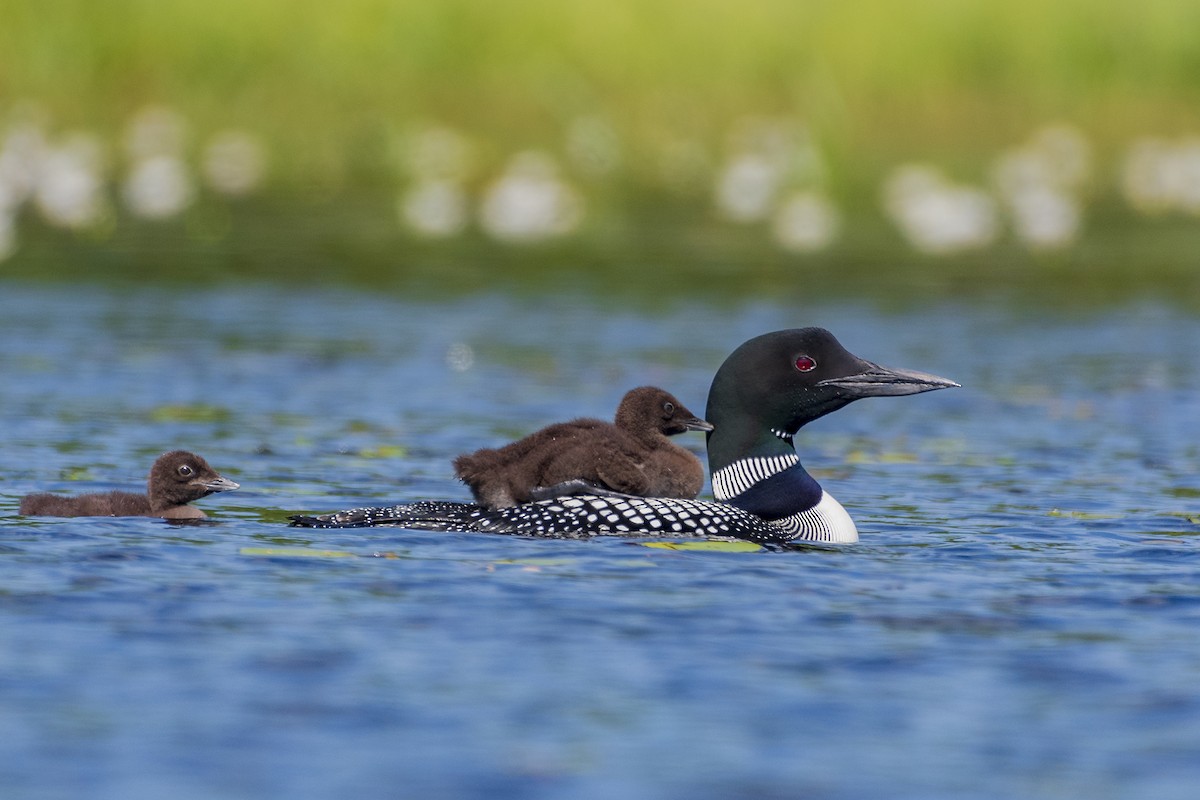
<point x="1057" y="512"/>
<point x="295" y="552"/>
<point x="383" y="451"/>
<point x="197" y="412"/>
<point x="709" y="545"/>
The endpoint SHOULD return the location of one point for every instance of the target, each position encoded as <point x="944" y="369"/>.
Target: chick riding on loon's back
<point x="631" y="455"/>
<point x="764" y="392"/>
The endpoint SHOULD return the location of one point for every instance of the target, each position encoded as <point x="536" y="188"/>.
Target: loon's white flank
<point x="827" y="521"/>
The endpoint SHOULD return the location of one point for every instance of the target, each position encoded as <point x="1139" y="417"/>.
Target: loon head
<point x="179" y="477"/>
<point x="774" y="384"/>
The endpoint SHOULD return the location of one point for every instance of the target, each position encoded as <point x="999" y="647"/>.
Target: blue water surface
<point x="1020" y="619"/>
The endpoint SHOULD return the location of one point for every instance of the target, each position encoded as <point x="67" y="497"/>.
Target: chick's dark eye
<point x="185" y="470"/>
<point x="669" y="407"/>
<point x="805" y="363"/>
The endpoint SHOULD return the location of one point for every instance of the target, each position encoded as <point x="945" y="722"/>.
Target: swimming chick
<point x="631" y="455"/>
<point x="176" y="479"/>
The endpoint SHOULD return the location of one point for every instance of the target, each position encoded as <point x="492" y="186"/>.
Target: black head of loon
<point x="768" y="389"/>
<point x="763" y="393"/>
<point x="774" y="384"/>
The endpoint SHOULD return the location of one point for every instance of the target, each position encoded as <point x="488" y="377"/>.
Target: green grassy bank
<point x="640" y="107"/>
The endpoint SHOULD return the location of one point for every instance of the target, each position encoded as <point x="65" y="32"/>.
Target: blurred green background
<point x="652" y="145"/>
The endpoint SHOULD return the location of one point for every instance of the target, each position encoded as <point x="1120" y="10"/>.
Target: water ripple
<point x="1018" y="619"/>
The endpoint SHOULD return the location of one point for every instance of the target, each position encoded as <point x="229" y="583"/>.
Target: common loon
<point x="176" y="479"/>
<point x="764" y="392"/>
<point x="630" y="456"/>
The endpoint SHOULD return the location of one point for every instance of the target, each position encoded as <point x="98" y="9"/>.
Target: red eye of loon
<point x="805" y="363"/>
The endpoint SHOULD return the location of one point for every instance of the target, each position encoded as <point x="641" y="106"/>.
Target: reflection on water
<point x="1018" y="619"/>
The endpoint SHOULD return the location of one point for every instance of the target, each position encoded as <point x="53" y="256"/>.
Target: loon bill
<point x="764" y="392"/>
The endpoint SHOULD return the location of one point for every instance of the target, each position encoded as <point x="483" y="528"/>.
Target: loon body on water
<point x="763" y="393"/>
<point x="176" y="479"/>
<point x="631" y="456"/>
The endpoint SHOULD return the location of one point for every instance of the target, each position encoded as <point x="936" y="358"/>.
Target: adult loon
<point x="631" y="455"/>
<point x="176" y="479"/>
<point x="764" y="392"/>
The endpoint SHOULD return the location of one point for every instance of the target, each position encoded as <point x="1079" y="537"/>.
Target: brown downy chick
<point x="176" y="479"/>
<point x="629" y="456"/>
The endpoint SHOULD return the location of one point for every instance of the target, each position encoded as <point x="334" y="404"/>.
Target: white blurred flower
<point x="1057" y="156"/>
<point x="12" y="194"/>
<point x="772" y="157"/>
<point x="1038" y="183"/>
<point x="158" y="187"/>
<point x="69" y="189"/>
<point x="937" y="216"/>
<point x="529" y="201"/>
<point x="806" y="222"/>
<point x="747" y="186"/>
<point x="1044" y="217"/>
<point x="1161" y="175"/>
<point x="1187" y="157"/>
<point x="21" y="153"/>
<point x="1146" y="178"/>
<point x="234" y="162"/>
<point x="434" y="208"/>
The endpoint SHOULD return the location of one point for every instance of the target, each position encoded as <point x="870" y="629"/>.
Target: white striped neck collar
<point x="732" y="480"/>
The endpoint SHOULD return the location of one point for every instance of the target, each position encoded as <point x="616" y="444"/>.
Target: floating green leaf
<point x="295" y="552"/>
<point x="711" y="545"/>
<point x="384" y="451"/>
<point x="536" y="562"/>
<point x="1056" y="512"/>
<point x="196" y="412"/>
<point x="77" y="474"/>
<point x="886" y="457"/>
